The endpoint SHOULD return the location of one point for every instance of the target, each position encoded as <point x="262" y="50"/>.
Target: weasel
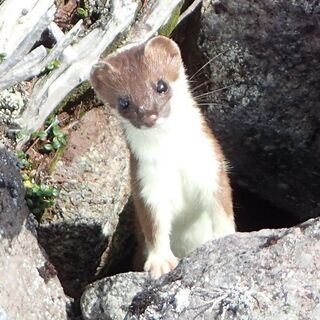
<point x="180" y="187"/>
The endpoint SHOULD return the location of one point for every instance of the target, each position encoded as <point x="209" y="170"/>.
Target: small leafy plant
<point x="81" y="13"/>
<point x="54" y="64"/>
<point x="3" y="57"/>
<point x="39" y="197"/>
<point x="52" y="138"/>
<point x="23" y="161"/>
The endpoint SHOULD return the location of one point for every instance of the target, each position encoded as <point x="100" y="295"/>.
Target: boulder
<point x="29" y="287"/>
<point x="94" y="188"/>
<point x="110" y="297"/>
<point x="270" y="274"/>
<point x="264" y="107"/>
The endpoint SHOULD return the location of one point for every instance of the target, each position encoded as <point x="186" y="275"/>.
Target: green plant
<point x="52" y="138"/>
<point x="39" y="197"/>
<point x="2" y="57"/>
<point x="81" y="13"/>
<point x="54" y="64"/>
<point x="22" y="160"/>
<point x="168" y="28"/>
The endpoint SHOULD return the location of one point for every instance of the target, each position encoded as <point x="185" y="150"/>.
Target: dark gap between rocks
<point x="75" y="252"/>
<point x="252" y="213"/>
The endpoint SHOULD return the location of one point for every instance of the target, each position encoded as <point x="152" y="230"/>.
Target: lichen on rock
<point x="11" y="103"/>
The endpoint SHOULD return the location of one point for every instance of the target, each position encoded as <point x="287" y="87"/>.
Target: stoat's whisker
<point x="211" y="92"/>
<point x="200" y="85"/>
<point x="192" y="81"/>
<point x="208" y="103"/>
<point x="215" y="57"/>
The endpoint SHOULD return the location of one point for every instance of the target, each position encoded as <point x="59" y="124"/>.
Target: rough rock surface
<point x="270" y="274"/>
<point x="267" y="117"/>
<point x="94" y="182"/>
<point x="29" y="287"/>
<point x="109" y="298"/>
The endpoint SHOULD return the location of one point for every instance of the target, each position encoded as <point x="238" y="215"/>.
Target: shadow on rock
<point x="75" y="251"/>
<point x="120" y="254"/>
<point x="81" y="253"/>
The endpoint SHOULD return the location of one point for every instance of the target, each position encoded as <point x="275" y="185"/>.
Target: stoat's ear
<point x="162" y="45"/>
<point x="98" y="73"/>
<point x="100" y="76"/>
<point x="163" y="50"/>
<point x="102" y="72"/>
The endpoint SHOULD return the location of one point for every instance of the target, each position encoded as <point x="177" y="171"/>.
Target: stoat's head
<point x="137" y="82"/>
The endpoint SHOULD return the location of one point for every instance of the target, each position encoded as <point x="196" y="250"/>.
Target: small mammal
<point x="180" y="186"/>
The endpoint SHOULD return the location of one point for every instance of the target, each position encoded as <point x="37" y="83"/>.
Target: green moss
<point x="168" y="28"/>
<point x="57" y="156"/>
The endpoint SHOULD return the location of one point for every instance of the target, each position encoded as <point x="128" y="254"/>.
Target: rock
<point x="270" y="274"/>
<point x="109" y="298"/>
<point x="267" y="116"/>
<point x="93" y="180"/>
<point x="29" y="287"/>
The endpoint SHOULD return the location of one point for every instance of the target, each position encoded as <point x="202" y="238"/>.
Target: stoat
<point x="180" y="187"/>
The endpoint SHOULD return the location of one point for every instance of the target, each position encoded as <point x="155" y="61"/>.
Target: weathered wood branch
<point x="21" y="25"/>
<point x="30" y="67"/>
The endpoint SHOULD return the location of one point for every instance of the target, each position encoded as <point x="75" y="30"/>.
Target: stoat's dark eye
<point x="162" y="86"/>
<point x="123" y="104"/>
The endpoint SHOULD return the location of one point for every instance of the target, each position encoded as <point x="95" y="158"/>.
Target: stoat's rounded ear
<point x="162" y="47"/>
<point x="98" y="72"/>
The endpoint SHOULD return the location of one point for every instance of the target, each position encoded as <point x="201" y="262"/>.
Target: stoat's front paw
<point x="158" y="265"/>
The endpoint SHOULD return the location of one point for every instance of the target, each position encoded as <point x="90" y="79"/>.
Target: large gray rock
<point x="270" y="274"/>
<point x="94" y="188"/>
<point x="110" y="298"/>
<point x="29" y="287"/>
<point x="267" y="57"/>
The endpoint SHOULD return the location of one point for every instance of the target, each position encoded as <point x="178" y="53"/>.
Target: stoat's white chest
<point x="178" y="172"/>
<point x="176" y="160"/>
